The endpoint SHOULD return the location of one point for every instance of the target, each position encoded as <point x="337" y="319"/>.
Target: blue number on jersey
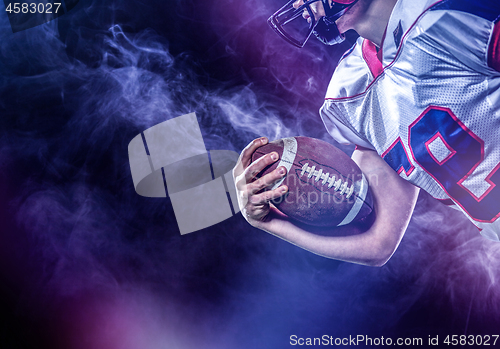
<point x="397" y="158"/>
<point x="466" y="152"/>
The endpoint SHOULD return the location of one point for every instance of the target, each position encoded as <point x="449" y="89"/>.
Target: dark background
<point x="85" y="262"/>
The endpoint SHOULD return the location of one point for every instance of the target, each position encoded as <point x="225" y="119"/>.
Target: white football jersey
<point x="429" y="102"/>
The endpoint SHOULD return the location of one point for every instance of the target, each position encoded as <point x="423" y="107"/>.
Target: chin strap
<point x="328" y="33"/>
<point x="326" y="30"/>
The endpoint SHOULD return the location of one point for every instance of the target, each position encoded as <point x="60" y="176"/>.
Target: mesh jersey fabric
<point x="432" y="110"/>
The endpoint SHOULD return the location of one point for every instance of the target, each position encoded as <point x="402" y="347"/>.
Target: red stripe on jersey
<point x="371" y="58"/>
<point x="447" y="202"/>
<point x="494" y="49"/>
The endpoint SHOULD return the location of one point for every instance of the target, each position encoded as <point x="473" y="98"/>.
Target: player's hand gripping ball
<point x="325" y="187"/>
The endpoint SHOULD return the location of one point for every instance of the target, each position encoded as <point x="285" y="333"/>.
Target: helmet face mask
<point x="284" y="22"/>
<point x="295" y="31"/>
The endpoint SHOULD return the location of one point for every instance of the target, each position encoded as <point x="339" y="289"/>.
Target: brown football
<point x="325" y="187"/>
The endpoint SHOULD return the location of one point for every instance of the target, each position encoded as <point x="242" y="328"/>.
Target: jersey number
<point x="449" y="152"/>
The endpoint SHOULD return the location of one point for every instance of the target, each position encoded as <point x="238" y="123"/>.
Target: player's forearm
<point x="394" y="201"/>
<point x="347" y="243"/>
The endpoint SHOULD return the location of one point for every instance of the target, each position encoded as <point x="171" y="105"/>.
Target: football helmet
<point x="324" y="29"/>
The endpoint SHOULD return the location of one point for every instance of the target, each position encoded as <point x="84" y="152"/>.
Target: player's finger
<point x="246" y="154"/>
<point x="266" y="196"/>
<point x="245" y="157"/>
<point x="268" y="179"/>
<point x="275" y="193"/>
<point x="258" y="165"/>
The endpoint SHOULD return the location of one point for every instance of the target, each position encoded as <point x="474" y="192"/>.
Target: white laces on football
<point x="337" y="184"/>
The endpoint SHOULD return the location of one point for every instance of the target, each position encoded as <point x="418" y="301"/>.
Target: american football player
<point x="419" y="96"/>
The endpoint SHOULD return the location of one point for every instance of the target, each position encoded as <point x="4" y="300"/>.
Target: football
<point x="325" y="187"/>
